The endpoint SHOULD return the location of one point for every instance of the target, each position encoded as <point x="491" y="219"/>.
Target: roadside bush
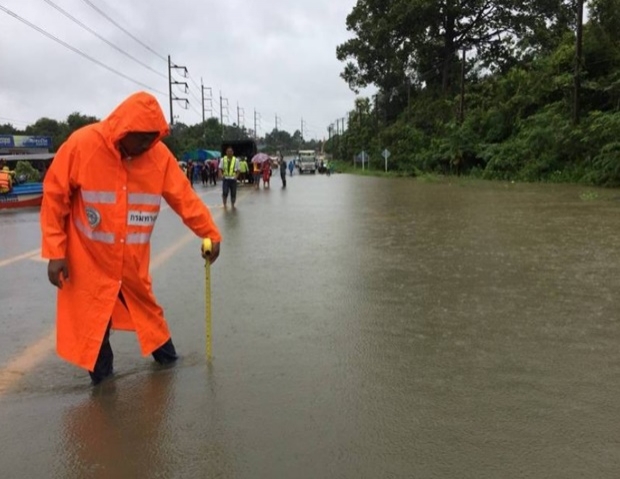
<point x="25" y="169"/>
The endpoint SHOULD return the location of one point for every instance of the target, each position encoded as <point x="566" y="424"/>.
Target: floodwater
<point x="363" y="328"/>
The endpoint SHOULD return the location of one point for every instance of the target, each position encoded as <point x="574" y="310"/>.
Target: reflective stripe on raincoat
<point x="98" y="212"/>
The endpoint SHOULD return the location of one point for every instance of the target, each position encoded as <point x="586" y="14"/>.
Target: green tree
<point x="401" y="41"/>
<point x="9" y="129"/>
<point x="279" y="140"/>
<point x="76" y="121"/>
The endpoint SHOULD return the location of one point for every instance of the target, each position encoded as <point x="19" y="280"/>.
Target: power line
<point x="195" y="110"/>
<point x="76" y="50"/>
<point x="12" y="120"/>
<point x="87" y="28"/>
<point x="193" y="81"/>
<point x="111" y="20"/>
<point x="194" y="96"/>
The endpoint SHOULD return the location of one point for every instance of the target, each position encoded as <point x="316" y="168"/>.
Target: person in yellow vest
<point x="243" y="170"/>
<point x="229" y="166"/>
<point x="6" y="180"/>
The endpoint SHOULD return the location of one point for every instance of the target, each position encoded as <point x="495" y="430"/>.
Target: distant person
<point x="204" y="173"/>
<point x="190" y="172"/>
<point x="6" y="180"/>
<point x="283" y="172"/>
<point x="256" y="170"/>
<point x="229" y="166"/>
<point x="96" y="232"/>
<point x="244" y="170"/>
<point x="291" y="167"/>
<point x="267" y="174"/>
<point x="212" y="172"/>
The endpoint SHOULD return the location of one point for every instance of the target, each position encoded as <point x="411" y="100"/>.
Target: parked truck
<point x="241" y="148"/>
<point x="306" y="161"/>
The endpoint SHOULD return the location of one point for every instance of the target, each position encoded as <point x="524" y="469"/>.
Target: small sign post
<point x="386" y="154"/>
<point x="364" y="157"/>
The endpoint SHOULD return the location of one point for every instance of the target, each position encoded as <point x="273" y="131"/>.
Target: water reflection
<point x="121" y="430"/>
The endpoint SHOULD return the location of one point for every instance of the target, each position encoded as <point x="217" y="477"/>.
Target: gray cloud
<point x="277" y="56"/>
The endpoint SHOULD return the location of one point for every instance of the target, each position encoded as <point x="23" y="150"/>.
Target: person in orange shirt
<point x="6" y="180"/>
<point x="256" y="170"/>
<point x="101" y="198"/>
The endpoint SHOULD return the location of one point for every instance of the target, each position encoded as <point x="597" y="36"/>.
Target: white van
<point x="306" y="161"/>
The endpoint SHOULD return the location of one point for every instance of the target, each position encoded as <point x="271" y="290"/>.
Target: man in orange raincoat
<point x="101" y="198"/>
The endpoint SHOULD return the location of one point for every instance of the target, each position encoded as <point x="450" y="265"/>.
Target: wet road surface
<point x="363" y="328"/>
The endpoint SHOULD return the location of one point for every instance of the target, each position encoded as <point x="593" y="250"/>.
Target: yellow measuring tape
<point x="207" y="247"/>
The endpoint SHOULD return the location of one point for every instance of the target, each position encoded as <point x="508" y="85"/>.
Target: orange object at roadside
<point x="98" y="213"/>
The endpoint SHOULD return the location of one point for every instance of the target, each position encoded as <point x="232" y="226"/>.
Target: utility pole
<point x="221" y="112"/>
<point x="170" y="91"/>
<point x="207" y="101"/>
<point x="204" y="108"/>
<point x="202" y="96"/>
<point x="277" y="121"/>
<point x="256" y="123"/>
<point x="462" y="108"/>
<point x="222" y="108"/>
<point x="240" y="116"/>
<point x="578" y="56"/>
<point x="346" y="140"/>
<point x="337" y="138"/>
<point x="172" y="98"/>
<point x="301" y="138"/>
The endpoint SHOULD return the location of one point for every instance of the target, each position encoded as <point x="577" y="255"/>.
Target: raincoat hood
<point x="139" y="112"/>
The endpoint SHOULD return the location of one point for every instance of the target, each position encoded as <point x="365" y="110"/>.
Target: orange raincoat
<point x="98" y="212"/>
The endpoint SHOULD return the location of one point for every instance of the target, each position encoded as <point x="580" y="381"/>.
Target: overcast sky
<point x="277" y="56"/>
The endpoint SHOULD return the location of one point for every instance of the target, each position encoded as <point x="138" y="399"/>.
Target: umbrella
<point x="260" y="158"/>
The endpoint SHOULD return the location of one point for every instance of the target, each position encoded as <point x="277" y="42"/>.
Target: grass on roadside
<point x="347" y="167"/>
<point x="466" y="180"/>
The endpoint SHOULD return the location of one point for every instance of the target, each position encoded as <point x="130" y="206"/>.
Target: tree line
<point x="486" y="88"/>
<point x="184" y="138"/>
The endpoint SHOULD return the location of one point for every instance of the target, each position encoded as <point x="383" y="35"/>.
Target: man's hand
<point x="213" y="255"/>
<point x="57" y="272"/>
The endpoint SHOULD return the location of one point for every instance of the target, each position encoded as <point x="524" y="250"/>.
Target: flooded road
<point x="363" y="328"/>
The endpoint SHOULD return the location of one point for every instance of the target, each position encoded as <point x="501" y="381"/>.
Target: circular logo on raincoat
<point x="94" y="217"/>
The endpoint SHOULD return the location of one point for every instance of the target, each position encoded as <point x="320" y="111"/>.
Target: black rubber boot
<point x="165" y="354"/>
<point x="104" y="367"/>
